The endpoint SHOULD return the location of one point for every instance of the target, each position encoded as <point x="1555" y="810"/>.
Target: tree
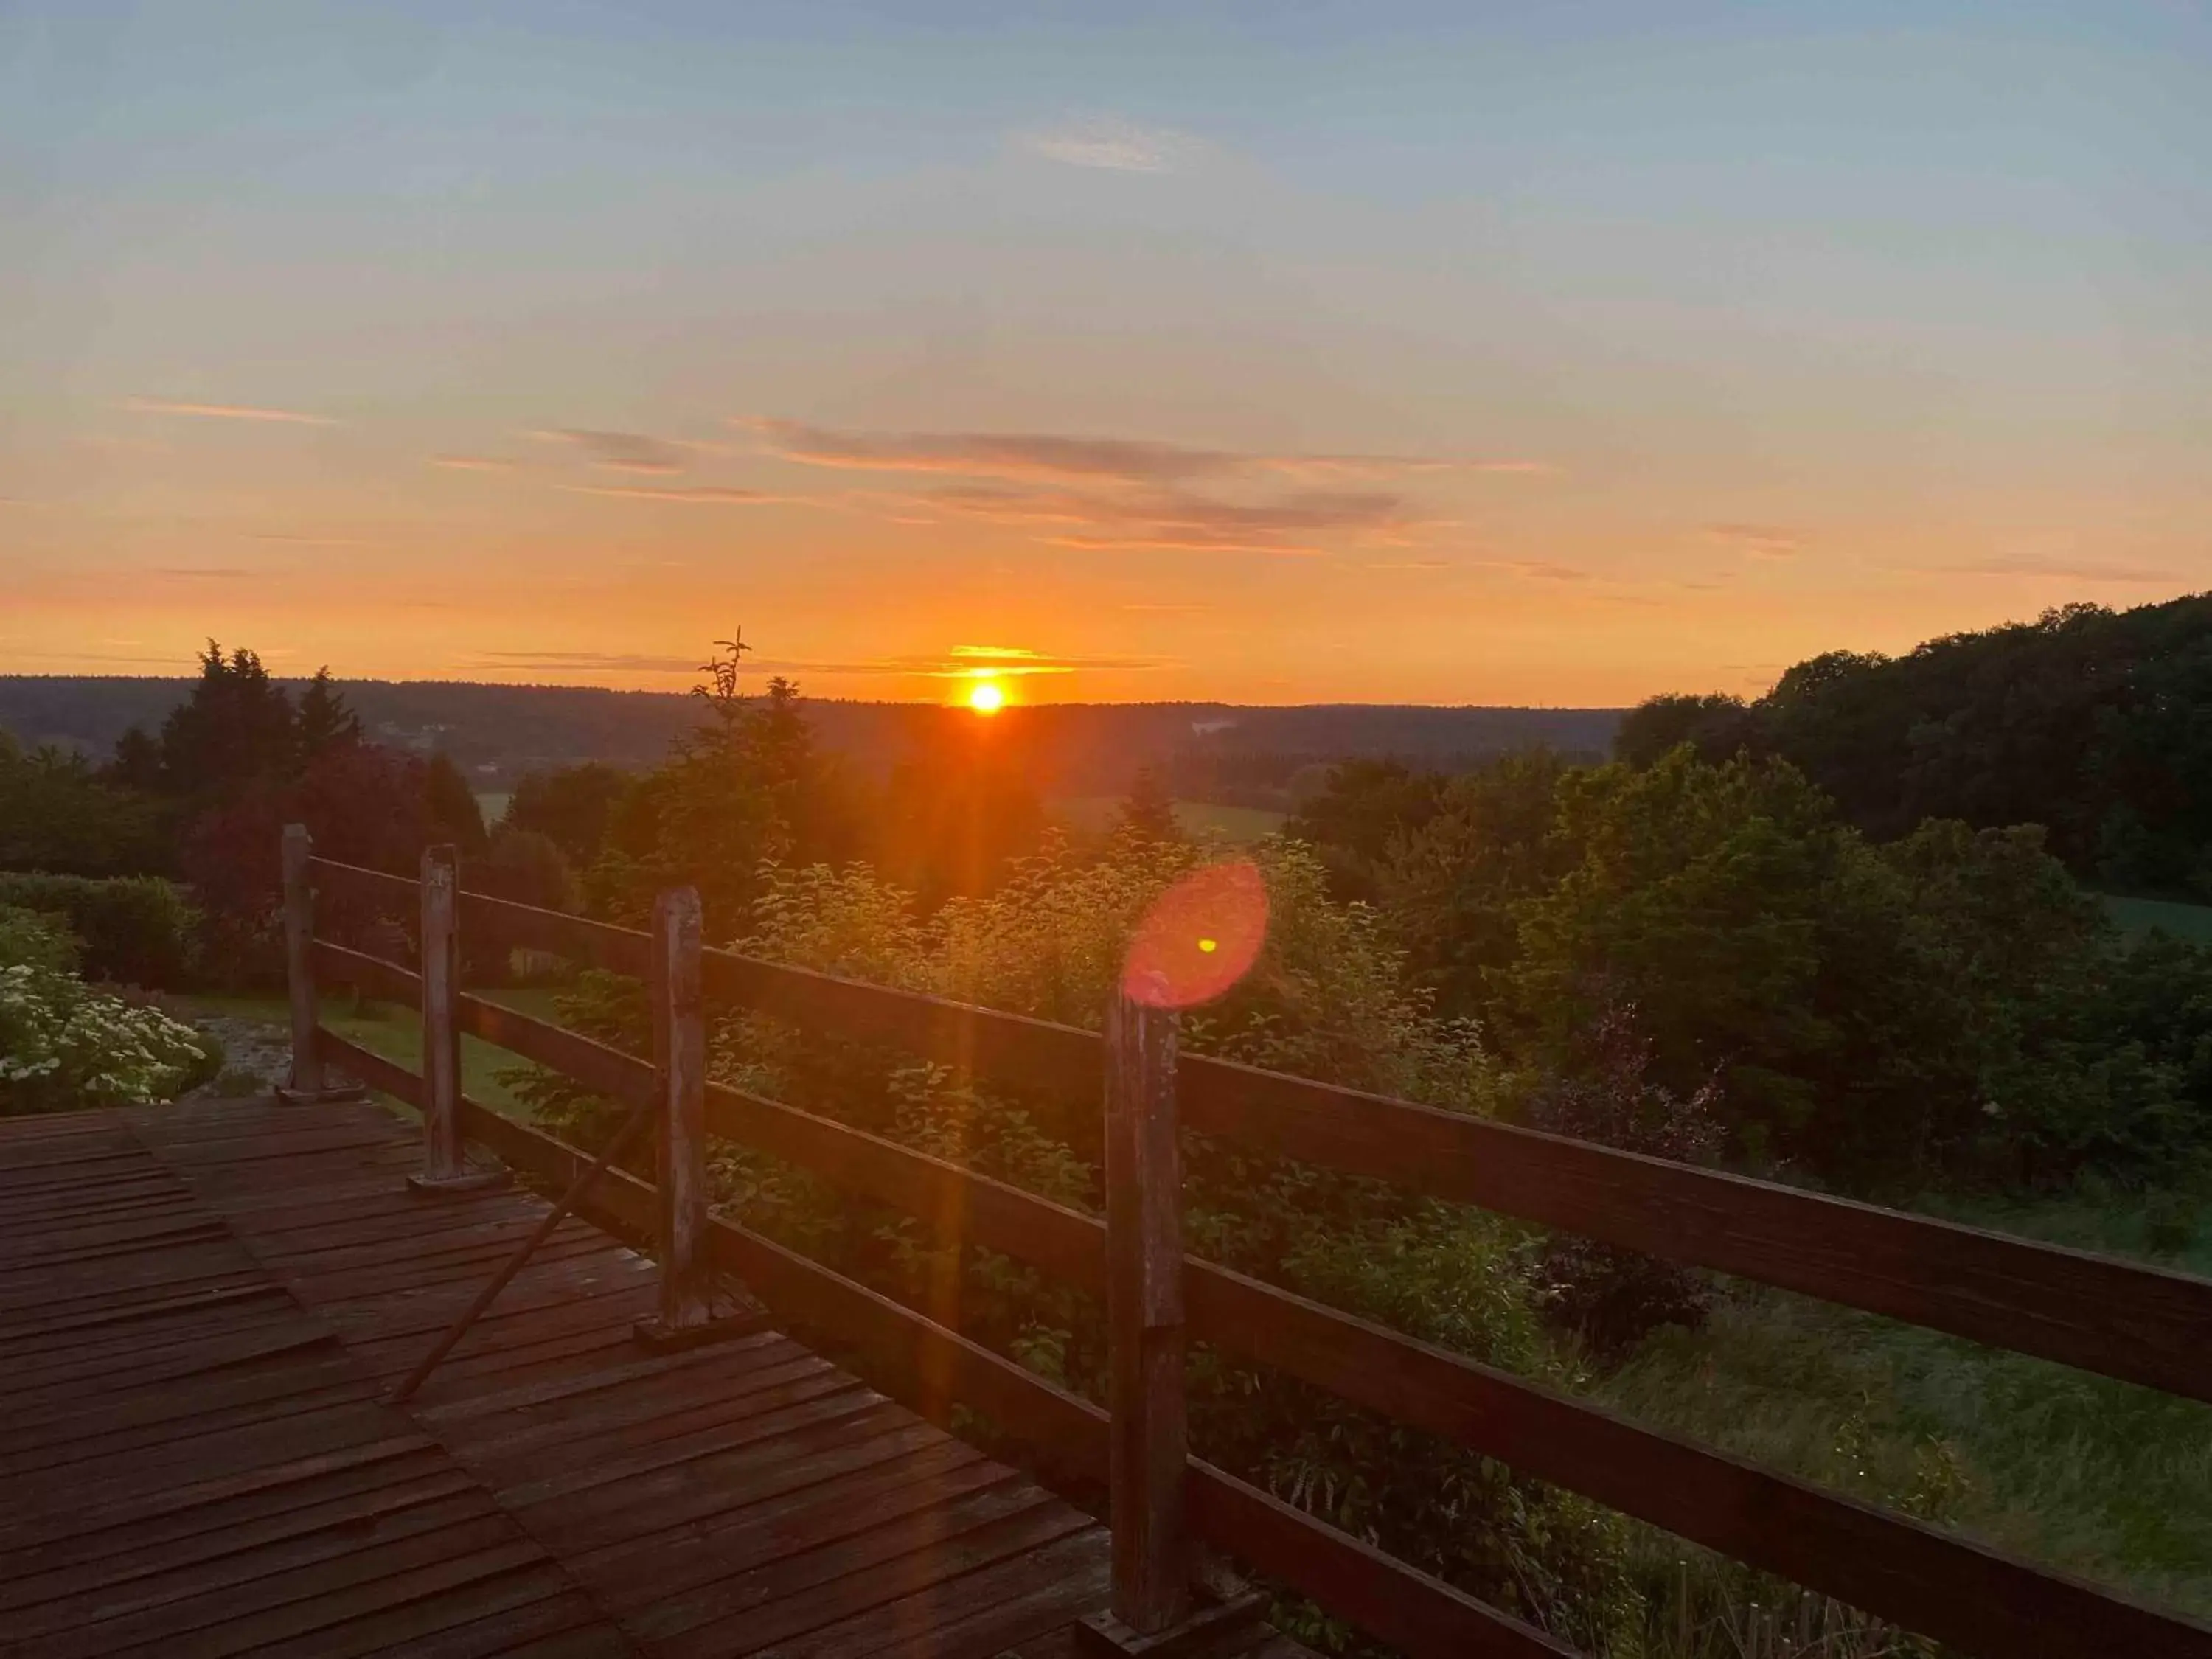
<point x="1714" y="724"/>
<point x="236" y="731"/>
<point x="138" y="761"/>
<point x="452" y="805"/>
<point x="572" y="807"/>
<point x="57" y="815"/>
<point x="1148" y="812"/>
<point x="1352" y="821"/>
<point x="324" y="719"/>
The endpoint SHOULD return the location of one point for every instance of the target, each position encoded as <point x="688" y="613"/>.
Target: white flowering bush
<point x="63" y="1045"/>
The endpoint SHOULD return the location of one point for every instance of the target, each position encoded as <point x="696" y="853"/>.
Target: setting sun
<point x="987" y="697"/>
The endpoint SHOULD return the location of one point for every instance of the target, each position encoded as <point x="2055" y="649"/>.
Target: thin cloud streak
<point x="1049" y="457"/>
<point x="472" y="463"/>
<point x="701" y="496"/>
<point x="2028" y="565"/>
<point x="1106" y="144"/>
<point x="1758" y="541"/>
<point x="224" y="412"/>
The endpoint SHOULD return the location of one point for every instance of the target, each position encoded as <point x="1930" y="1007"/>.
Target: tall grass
<point x="2098" y="1478"/>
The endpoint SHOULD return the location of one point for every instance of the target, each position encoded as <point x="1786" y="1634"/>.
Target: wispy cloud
<point x="472" y="463"/>
<point x="1409" y="564"/>
<point x="959" y="662"/>
<point x="1113" y="145"/>
<point x="1058" y="457"/>
<point x="586" y="662"/>
<point x="1537" y="569"/>
<point x="224" y="412"/>
<point x="620" y="451"/>
<point x="205" y="573"/>
<point x="2068" y="569"/>
<point x="1176" y="520"/>
<point x="700" y="496"/>
<point x="1758" y="541"/>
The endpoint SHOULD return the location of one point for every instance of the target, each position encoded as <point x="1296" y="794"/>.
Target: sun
<point x="987" y="697"/>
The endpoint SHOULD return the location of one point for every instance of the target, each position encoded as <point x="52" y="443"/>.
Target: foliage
<point x="744" y="785"/>
<point x="452" y="808"/>
<point x="235" y="733"/>
<point x="135" y="930"/>
<point x="1327" y="998"/>
<point x="1450" y="880"/>
<point x="1875" y="1013"/>
<point x="361" y="803"/>
<point x="1611" y="1298"/>
<point x="56" y="814"/>
<point x="2087" y="720"/>
<point x="1148" y="813"/>
<point x="572" y="806"/>
<point x="63" y="1045"/>
<point x="1362" y="809"/>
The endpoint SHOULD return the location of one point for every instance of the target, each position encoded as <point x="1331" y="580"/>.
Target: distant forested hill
<point x="1215" y="750"/>
<point x="2095" y="723"/>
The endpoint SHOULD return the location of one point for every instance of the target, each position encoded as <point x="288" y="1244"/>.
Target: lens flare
<point x="1200" y="937"/>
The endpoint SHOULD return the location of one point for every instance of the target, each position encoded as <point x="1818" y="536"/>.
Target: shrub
<point x="63" y="1045"/>
<point x="134" y="930"/>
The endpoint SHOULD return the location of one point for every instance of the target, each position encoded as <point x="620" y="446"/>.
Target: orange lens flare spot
<point x="1200" y="937"/>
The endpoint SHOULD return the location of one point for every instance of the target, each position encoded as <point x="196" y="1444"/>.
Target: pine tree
<point x="324" y="718"/>
<point x="1148" y="813"/>
<point x="236" y="731"/>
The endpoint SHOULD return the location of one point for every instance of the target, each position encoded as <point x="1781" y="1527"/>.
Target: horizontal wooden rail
<point x="2139" y="1323"/>
<point x="375" y="885"/>
<point x="1403" y="1606"/>
<point x="1981" y="1599"/>
<point x="371" y="1068"/>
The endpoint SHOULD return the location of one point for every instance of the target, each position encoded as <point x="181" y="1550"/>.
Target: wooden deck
<point x="200" y="1307"/>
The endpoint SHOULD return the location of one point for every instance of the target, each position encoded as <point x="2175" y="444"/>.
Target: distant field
<point x="2192" y="923"/>
<point x="1198" y="818"/>
<point x="492" y="803"/>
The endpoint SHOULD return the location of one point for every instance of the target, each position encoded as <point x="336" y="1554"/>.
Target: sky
<point x="1555" y="353"/>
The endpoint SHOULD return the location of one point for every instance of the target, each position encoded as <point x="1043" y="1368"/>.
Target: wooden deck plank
<point x="199" y="1308"/>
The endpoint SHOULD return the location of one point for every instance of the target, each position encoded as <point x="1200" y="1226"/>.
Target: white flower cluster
<point x="63" y="1044"/>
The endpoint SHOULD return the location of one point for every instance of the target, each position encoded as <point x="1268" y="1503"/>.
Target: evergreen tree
<point x="324" y="718"/>
<point x="235" y="732"/>
<point x="138" y="761"/>
<point x="1148" y="813"/>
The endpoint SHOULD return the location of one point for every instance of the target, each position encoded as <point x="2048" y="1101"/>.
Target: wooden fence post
<point x="1143" y="1313"/>
<point x="445" y="1154"/>
<point x="688" y="1315"/>
<point x="306" y="1079"/>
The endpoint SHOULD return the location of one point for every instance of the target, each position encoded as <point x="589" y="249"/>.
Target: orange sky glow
<point x="1460" y="363"/>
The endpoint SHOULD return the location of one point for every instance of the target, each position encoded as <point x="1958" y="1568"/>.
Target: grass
<point x="1238" y="824"/>
<point x="2192" y="923"/>
<point x="492" y="803"/>
<point x="396" y="1033"/>
<point x="2097" y="1476"/>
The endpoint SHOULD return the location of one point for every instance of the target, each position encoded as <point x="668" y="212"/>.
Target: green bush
<point x="135" y="930"/>
<point x="64" y="1046"/>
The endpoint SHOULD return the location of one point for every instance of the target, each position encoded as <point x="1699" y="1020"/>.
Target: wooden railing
<point x="2140" y="1324"/>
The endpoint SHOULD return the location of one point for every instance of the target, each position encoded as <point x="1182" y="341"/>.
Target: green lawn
<point x="396" y="1032"/>
<point x="1091" y="814"/>
<point x="2192" y="923"/>
<point x="492" y="803"/>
